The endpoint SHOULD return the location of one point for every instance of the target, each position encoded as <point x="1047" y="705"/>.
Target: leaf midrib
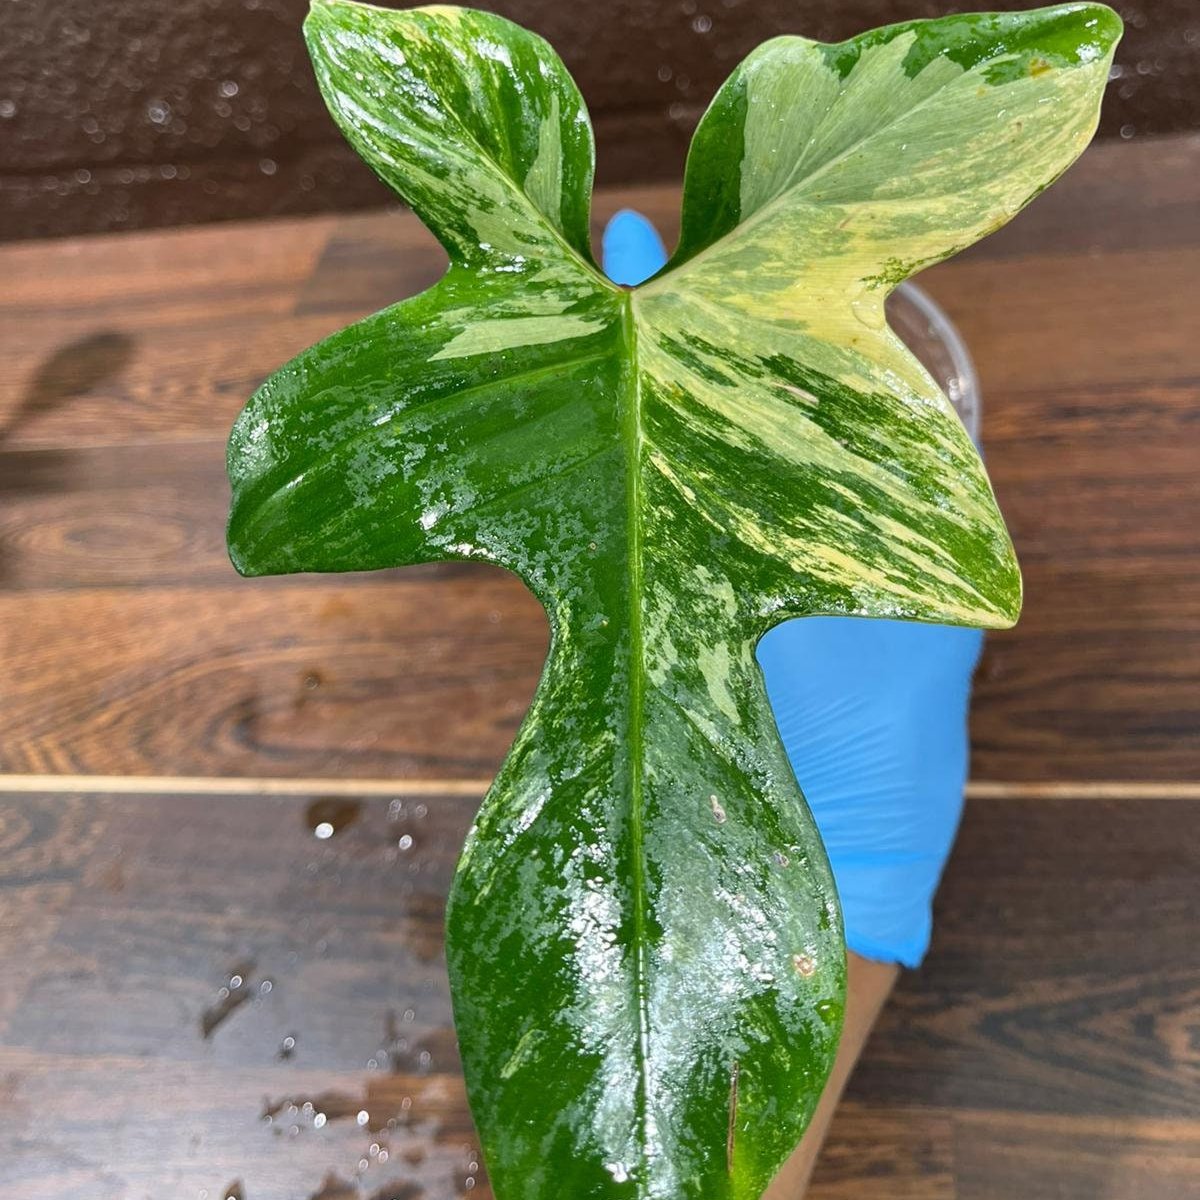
<point x="633" y="438"/>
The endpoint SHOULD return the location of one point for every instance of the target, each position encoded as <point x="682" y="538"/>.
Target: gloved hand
<point x="873" y="715"/>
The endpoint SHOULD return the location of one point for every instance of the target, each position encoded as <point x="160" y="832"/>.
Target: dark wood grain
<point x="1002" y="1155"/>
<point x="1114" y="553"/>
<point x="1047" y="1047"/>
<point x="202" y="318"/>
<point x="874" y="1151"/>
<point x="116" y="515"/>
<point x="116" y="1081"/>
<point x="131" y="356"/>
<point x="205" y="314"/>
<point x="175" y="112"/>
<point x="426" y="674"/>
<point x="1064" y="976"/>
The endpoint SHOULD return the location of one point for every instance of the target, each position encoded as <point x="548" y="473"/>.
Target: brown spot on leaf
<point x="805" y="965"/>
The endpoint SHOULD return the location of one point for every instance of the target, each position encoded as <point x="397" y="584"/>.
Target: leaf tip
<point x="1105" y="23"/>
<point x="1091" y="30"/>
<point x="236" y="546"/>
<point x="323" y="20"/>
<point x="1009" y="596"/>
<point x="240" y="565"/>
<point x="319" y="8"/>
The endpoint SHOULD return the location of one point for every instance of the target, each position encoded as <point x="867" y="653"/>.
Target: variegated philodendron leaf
<point x="643" y="936"/>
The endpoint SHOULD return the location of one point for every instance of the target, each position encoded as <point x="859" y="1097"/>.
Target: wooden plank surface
<point x="176" y="111"/>
<point x="133" y="355"/>
<point x="1048" y="1047"/>
<point x="1047" y="1044"/>
<point x="1001" y="1156"/>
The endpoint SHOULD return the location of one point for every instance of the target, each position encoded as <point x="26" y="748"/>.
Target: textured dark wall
<point x="118" y="114"/>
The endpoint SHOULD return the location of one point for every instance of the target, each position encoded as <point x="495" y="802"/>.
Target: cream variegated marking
<point x="643" y="937"/>
<point x="491" y="336"/>
<point x="543" y="184"/>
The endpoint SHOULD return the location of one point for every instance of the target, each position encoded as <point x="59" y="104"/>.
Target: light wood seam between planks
<point x="231" y="785"/>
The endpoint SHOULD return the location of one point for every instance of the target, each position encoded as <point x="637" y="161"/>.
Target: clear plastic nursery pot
<point x="926" y="330"/>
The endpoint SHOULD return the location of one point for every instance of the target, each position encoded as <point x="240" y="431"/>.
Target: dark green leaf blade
<point x="643" y="937"/>
<point x="404" y="438"/>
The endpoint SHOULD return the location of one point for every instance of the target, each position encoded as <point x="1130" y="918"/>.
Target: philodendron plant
<point x="643" y="935"/>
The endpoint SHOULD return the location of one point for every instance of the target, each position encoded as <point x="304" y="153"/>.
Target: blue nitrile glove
<point x="874" y="718"/>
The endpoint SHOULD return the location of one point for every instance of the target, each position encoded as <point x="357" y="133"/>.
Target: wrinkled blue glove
<point x="873" y="715"/>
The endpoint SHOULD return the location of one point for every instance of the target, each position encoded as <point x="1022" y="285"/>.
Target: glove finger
<point x="873" y="717"/>
<point x="631" y="249"/>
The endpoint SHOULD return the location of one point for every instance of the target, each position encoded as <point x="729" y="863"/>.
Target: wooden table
<point x="199" y="998"/>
